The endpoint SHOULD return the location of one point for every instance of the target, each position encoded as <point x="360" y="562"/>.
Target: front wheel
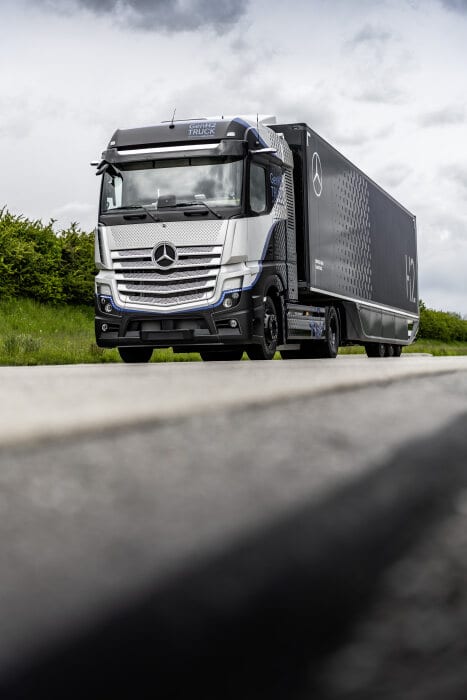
<point x="267" y="348"/>
<point x="135" y="354"/>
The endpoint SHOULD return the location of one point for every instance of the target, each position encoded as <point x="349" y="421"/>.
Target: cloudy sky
<point x="385" y="81"/>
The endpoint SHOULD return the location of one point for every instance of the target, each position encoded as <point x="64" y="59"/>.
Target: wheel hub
<point x="270" y="327"/>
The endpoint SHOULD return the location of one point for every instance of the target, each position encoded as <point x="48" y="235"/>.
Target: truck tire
<point x="267" y="348"/>
<point x="397" y="350"/>
<point x="216" y="355"/>
<point x="375" y="349"/>
<point x="135" y="354"/>
<point x="329" y="347"/>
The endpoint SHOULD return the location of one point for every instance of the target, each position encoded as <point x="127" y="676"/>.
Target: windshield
<point x="167" y="183"/>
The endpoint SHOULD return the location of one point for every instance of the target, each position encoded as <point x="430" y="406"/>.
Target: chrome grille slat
<point x="166" y="278"/>
<point x="197" y="250"/>
<point x="130" y="288"/>
<point x="185" y="263"/>
<point x="138" y="253"/>
<point x="184" y="256"/>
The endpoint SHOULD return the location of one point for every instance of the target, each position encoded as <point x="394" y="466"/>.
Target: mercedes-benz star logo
<point x="164" y="254"/>
<point x="317" y="174"/>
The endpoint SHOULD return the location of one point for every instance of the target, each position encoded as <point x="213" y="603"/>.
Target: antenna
<point x="257" y="121"/>
<point x="172" y="125"/>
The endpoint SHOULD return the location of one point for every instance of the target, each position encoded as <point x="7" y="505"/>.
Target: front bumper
<point x="218" y="326"/>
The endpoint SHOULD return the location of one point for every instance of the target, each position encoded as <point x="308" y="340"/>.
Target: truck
<point x="233" y="234"/>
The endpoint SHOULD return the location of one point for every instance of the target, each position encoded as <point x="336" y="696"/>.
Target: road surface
<point x="234" y="521"/>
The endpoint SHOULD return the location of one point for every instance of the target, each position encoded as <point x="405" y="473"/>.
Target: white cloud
<point x="383" y="83"/>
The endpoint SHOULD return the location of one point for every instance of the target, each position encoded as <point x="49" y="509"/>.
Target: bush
<point x="441" y="325"/>
<point x="78" y="268"/>
<point x="37" y="263"/>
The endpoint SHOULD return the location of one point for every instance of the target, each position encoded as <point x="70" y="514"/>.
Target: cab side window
<point x="257" y="188"/>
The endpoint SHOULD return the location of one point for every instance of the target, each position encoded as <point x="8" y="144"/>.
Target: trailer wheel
<point x="267" y="348"/>
<point x="397" y="350"/>
<point x="216" y="355"/>
<point x="135" y="354"/>
<point x="375" y="349"/>
<point x="389" y="350"/>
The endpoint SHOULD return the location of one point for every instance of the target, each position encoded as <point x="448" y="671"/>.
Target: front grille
<point x="192" y="277"/>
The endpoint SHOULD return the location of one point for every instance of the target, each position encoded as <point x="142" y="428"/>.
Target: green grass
<point x="438" y="347"/>
<point x="421" y="345"/>
<point x="32" y="333"/>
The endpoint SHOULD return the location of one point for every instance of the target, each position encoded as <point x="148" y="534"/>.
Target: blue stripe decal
<point x="255" y="131"/>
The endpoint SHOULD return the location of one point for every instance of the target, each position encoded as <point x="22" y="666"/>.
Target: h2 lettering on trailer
<point x="410" y="278"/>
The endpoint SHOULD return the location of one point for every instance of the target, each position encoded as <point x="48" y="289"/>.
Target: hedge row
<point x="441" y="325"/>
<point x="36" y="262"/>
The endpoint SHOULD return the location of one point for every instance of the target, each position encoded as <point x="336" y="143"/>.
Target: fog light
<point x="233" y="323"/>
<point x="108" y="308"/>
<point x="227" y="303"/>
<point x="104" y="327"/>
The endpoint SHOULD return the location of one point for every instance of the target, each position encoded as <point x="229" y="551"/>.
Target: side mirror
<point x="105" y="167"/>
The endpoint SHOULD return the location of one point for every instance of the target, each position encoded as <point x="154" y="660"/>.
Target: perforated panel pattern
<point x="352" y="224"/>
<point x="177" y="232"/>
<point x="162" y="301"/>
<point x="274" y="140"/>
<point x="291" y="237"/>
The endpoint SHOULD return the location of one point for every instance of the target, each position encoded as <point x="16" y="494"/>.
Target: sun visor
<point x="227" y="147"/>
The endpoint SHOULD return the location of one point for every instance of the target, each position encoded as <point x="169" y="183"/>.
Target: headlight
<point x="104" y="290"/>
<point x="231" y="299"/>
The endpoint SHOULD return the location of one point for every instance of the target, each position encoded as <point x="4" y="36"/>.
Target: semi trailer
<point x="232" y="234"/>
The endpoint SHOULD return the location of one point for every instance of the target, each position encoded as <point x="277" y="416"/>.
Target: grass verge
<point x="421" y="345"/>
<point x="32" y="333"/>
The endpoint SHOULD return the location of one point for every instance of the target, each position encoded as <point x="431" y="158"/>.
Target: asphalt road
<point x="45" y="402"/>
<point x="195" y="516"/>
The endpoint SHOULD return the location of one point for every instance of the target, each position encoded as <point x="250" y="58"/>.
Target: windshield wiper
<point x="191" y="204"/>
<point x="127" y="206"/>
<point x="135" y="206"/>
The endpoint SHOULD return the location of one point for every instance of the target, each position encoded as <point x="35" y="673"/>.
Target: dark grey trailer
<point x="356" y="245"/>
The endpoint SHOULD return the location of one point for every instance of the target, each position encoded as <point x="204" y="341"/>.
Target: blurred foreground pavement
<point x="313" y="546"/>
